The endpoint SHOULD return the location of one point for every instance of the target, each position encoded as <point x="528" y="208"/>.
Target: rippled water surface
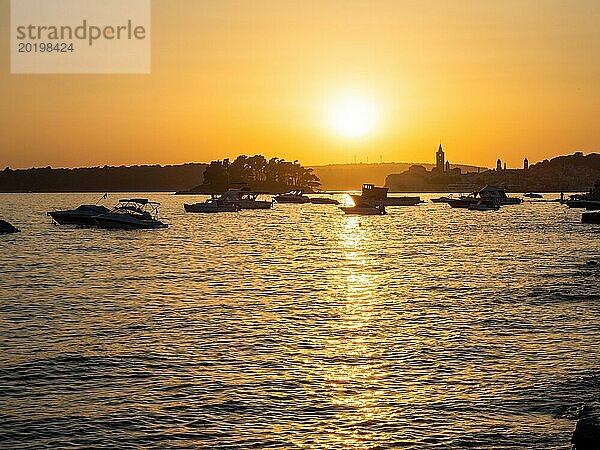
<point x="298" y="327"/>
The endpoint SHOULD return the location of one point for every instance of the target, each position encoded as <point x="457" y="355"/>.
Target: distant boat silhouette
<point x="7" y="228"/>
<point x="295" y="196"/>
<point x="491" y="193"/>
<point x="379" y="196"/>
<point x="485" y="205"/>
<point x="591" y="217"/>
<point x="243" y="199"/>
<point x="212" y="205"/>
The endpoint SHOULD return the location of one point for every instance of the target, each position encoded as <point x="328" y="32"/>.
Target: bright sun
<point x="353" y="116"/>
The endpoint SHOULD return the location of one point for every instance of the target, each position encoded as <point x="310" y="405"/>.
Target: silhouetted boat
<point x="590" y="200"/>
<point x="591" y="217"/>
<point x="532" y="195"/>
<point x="444" y="199"/>
<point x="491" y="193"/>
<point x="83" y="215"/>
<point x="212" y="205"/>
<point x="484" y="205"/>
<point x="364" y="210"/>
<point x="6" y="228"/>
<point x="243" y="199"/>
<point x="324" y="201"/>
<point x="295" y="196"/>
<point x="372" y="195"/>
<point x="131" y="214"/>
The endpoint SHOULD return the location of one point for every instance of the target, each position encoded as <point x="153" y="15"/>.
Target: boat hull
<point x="587" y="204"/>
<point x="7" y="228"/>
<point x="590" y="217"/>
<point x="299" y="200"/>
<point x="388" y="201"/>
<point x="114" y="222"/>
<point x="83" y="216"/>
<point x="208" y="208"/>
<point x="324" y="201"/>
<point x="259" y="204"/>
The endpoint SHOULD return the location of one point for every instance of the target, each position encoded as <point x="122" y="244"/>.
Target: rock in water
<point x="587" y="431"/>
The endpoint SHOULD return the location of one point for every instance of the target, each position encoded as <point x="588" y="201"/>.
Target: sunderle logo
<point x="80" y="36"/>
<point x="85" y="32"/>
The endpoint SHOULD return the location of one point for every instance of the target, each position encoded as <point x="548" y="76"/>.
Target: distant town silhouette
<point x="569" y="173"/>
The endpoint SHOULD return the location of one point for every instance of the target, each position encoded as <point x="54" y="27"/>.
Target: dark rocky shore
<point x="587" y="431"/>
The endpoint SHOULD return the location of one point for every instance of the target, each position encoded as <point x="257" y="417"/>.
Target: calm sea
<point x="298" y="327"/>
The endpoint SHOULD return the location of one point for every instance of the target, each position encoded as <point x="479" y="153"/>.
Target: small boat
<point x="591" y="217"/>
<point x="379" y="196"/>
<point x="484" y="205"/>
<point x="364" y="210"/>
<point x="83" y="215"/>
<point x="443" y="199"/>
<point x="590" y="200"/>
<point x="7" y="228"/>
<point x="324" y="201"/>
<point x="131" y="214"/>
<point x="491" y="193"/>
<point x="295" y="196"/>
<point x="532" y="195"/>
<point x="212" y="205"/>
<point x="244" y="199"/>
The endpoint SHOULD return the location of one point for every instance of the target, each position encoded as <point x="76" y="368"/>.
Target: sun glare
<point x="353" y="116"/>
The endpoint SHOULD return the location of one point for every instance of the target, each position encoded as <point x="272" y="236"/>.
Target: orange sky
<point x="490" y="79"/>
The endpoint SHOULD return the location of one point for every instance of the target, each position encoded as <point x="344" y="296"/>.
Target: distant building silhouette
<point x="439" y="159"/>
<point x="504" y="166"/>
<point x="447" y="166"/>
<point x="525" y="164"/>
<point x="498" y="165"/>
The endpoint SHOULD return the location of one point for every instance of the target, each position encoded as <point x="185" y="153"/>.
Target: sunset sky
<point x="323" y="81"/>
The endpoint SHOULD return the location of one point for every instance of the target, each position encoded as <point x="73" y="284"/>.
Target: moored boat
<point x="591" y="217"/>
<point x="443" y="199"/>
<point x="131" y="214"/>
<point x="484" y="205"/>
<point x="324" y="201"/>
<point x="82" y="215"/>
<point x="212" y="205"/>
<point x="243" y="199"/>
<point x="488" y="193"/>
<point x="379" y="196"/>
<point x="7" y="228"/>
<point x="590" y="200"/>
<point x="295" y="196"/>
<point x="532" y="195"/>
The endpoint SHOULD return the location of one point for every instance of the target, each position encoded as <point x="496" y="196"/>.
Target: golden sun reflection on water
<point x="352" y="382"/>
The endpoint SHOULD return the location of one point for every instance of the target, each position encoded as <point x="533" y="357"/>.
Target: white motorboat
<point x="212" y="205"/>
<point x="131" y="214"/>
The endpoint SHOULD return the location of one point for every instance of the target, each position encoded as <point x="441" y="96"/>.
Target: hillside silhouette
<point x="102" y="179"/>
<point x="570" y="173"/>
